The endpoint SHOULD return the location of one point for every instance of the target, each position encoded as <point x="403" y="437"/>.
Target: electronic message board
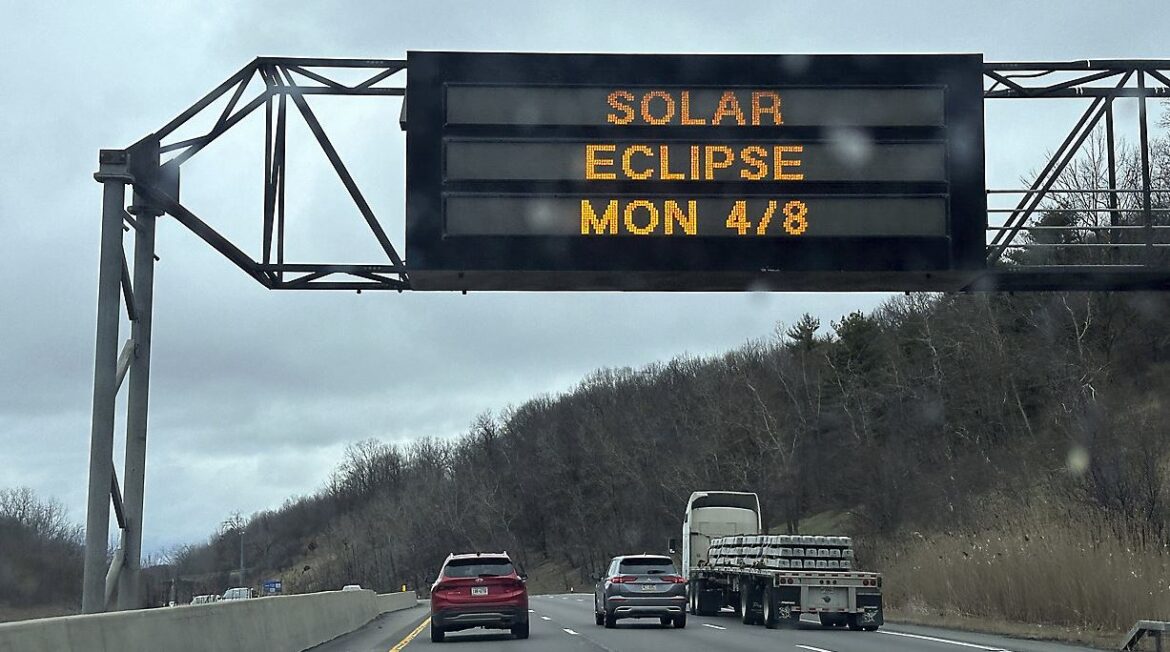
<point x="693" y="172"/>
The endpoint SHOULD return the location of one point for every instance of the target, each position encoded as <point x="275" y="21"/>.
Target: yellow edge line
<point x="410" y="637"/>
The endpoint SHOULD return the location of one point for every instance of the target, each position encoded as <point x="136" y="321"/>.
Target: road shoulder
<point x="380" y="634"/>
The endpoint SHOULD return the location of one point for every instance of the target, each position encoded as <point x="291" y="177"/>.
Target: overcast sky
<point x="255" y="393"/>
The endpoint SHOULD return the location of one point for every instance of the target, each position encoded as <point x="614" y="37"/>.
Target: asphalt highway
<point x="564" y="623"/>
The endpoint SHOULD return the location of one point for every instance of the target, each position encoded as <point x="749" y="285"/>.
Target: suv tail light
<point x="673" y="579"/>
<point x="623" y="579"/>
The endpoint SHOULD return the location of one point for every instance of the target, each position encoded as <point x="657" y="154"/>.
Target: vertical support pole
<point x="101" y="436"/>
<point x="269" y="189"/>
<point x="130" y="581"/>
<point x="1111" y="153"/>
<point x="241" y="555"/>
<point x="1143" y="127"/>
<point x="281" y="123"/>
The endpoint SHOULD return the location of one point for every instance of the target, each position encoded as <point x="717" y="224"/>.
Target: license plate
<point x="479" y="590"/>
<point x="649" y="587"/>
<point x="831" y="598"/>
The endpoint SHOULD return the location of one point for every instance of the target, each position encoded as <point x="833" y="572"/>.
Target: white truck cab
<point x="712" y="514"/>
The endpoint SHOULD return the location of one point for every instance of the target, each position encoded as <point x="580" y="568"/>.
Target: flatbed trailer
<point x="777" y="598"/>
<point x="771" y="580"/>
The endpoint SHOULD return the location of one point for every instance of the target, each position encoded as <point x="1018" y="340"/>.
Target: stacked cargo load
<point x="782" y="552"/>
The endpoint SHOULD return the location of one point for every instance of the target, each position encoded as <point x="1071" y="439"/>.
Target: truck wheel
<point x="770" y="619"/>
<point x="693" y="591"/>
<point x="853" y="622"/>
<point x="707" y="603"/>
<point x="747" y="598"/>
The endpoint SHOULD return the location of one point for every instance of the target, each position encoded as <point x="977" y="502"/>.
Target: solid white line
<point x="944" y="640"/>
<point x="712" y="626"/>
<point x="569" y="631"/>
<point x="814" y="649"/>
<point x="545" y="618"/>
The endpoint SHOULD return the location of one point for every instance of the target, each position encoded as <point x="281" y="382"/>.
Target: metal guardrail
<point x="1155" y="629"/>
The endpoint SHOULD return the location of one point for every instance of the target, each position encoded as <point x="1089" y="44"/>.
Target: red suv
<point x="479" y="590"/>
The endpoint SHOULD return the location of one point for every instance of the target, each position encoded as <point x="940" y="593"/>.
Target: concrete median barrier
<point x="396" y="601"/>
<point x="293" y="622"/>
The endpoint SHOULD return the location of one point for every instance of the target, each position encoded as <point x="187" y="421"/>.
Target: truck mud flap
<point x="781" y="607"/>
<point x="871" y="615"/>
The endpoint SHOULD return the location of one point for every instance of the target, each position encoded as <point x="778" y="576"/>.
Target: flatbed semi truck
<point x="771" y="580"/>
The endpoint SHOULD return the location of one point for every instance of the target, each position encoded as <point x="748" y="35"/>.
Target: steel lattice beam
<point x="1101" y="83"/>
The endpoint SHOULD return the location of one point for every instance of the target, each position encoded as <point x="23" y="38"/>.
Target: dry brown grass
<point x="1070" y="573"/>
<point x="923" y="615"/>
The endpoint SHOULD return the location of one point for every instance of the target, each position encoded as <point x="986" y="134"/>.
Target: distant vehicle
<point x="771" y="580"/>
<point x="204" y="599"/>
<point x="640" y="586"/>
<point x="352" y="587"/>
<point x="238" y="593"/>
<point x="479" y="590"/>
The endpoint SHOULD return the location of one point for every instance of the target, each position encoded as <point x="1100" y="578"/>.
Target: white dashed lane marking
<point x="813" y="649"/>
<point x="945" y="640"/>
<point x="545" y="618"/>
<point x="713" y="626"/>
<point x="569" y="631"/>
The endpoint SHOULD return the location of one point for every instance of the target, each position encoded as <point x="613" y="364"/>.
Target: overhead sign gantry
<point x="638" y="172"/>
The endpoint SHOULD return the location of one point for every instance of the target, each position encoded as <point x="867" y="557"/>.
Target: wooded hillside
<point x="910" y="418"/>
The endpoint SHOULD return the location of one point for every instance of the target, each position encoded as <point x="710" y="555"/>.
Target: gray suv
<point x="640" y="586"/>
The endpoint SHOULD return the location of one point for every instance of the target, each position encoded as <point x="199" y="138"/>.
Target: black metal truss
<point x="1100" y="82"/>
<point x="285" y="81"/>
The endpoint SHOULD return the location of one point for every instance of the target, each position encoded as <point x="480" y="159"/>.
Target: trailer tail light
<point x="673" y="579"/>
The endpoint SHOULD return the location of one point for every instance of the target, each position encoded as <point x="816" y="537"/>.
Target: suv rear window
<point x="476" y="567"/>
<point x="646" y="566"/>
